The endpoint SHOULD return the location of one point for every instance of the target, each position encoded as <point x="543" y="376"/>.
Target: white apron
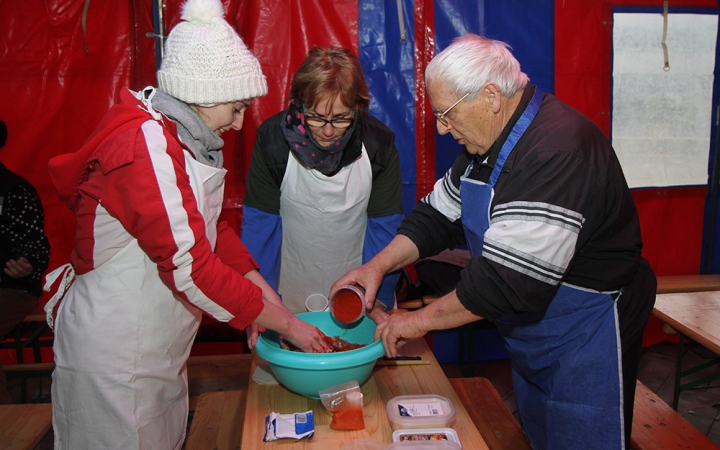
<point x="324" y="221"/>
<point x="121" y="342"/>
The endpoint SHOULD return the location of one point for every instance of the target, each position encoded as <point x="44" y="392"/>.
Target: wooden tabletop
<point x="385" y="383"/>
<point x="695" y="314"/>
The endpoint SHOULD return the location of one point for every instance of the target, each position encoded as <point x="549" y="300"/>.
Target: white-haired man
<point x="540" y="199"/>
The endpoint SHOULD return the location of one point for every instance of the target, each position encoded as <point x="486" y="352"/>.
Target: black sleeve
<point x="386" y="194"/>
<point x="262" y="190"/>
<point x="22" y="232"/>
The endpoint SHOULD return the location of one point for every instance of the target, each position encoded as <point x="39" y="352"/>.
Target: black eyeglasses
<point x="319" y="122"/>
<point x="441" y="116"/>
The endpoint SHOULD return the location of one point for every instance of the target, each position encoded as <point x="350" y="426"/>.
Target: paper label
<point x="420" y="409"/>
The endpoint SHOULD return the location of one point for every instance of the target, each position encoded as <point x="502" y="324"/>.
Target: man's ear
<point x="492" y="91"/>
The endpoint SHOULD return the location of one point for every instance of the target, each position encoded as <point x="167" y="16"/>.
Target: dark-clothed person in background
<point x="24" y="252"/>
<point x="324" y="188"/>
<point x="539" y="197"/>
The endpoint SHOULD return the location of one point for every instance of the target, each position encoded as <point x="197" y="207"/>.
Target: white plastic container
<point x="424" y="445"/>
<point x="317" y="302"/>
<point x="426" y="434"/>
<point x="420" y="411"/>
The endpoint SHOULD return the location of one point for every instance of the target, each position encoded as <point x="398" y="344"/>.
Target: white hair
<point x="470" y="61"/>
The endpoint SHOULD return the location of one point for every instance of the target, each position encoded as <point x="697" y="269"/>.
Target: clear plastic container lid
<point x="430" y="445"/>
<point x="426" y="434"/>
<point x="420" y="411"/>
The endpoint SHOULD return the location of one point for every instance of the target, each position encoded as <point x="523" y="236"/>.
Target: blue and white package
<point x="294" y="426"/>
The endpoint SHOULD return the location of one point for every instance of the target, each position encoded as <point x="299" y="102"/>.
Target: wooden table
<point x="694" y="315"/>
<point x="385" y="383"/>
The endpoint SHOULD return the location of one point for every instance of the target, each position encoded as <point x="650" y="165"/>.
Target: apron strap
<point x="68" y="276"/>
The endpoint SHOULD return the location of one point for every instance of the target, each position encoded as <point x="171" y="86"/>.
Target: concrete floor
<point x="657" y="370"/>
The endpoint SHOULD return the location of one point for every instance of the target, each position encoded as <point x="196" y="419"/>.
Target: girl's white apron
<point x="324" y="221"/>
<point x="121" y="342"/>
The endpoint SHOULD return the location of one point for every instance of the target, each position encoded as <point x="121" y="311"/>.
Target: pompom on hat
<point x="206" y="61"/>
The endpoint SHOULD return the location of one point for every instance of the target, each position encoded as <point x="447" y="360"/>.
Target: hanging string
<point x="666" y="68"/>
<point x="401" y="20"/>
<point x="84" y="26"/>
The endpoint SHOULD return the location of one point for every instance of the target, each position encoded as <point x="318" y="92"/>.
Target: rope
<point x="666" y="68"/>
<point x="84" y="26"/>
<point x="401" y="20"/>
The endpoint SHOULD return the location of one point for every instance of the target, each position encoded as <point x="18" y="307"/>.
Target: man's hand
<point x="397" y="329"/>
<point x="18" y="268"/>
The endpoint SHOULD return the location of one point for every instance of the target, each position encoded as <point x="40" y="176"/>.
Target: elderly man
<point x="539" y="197"/>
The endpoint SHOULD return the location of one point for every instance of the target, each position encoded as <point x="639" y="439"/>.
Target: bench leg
<point x="678" y="371"/>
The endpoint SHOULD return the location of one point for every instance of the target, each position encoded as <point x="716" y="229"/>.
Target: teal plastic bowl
<point x="309" y="373"/>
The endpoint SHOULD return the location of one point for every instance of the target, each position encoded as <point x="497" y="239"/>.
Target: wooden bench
<point x="218" y="421"/>
<point x="24" y="426"/>
<point x="672" y="284"/>
<point x="205" y="373"/>
<point x="656" y="426"/>
<point x="490" y="415"/>
<point x="32" y="368"/>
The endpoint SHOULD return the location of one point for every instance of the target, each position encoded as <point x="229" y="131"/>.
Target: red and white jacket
<point x="115" y="188"/>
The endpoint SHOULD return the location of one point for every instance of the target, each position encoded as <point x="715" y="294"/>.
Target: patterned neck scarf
<point x="306" y="149"/>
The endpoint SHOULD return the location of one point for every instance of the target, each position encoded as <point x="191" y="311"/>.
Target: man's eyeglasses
<point x="441" y="116"/>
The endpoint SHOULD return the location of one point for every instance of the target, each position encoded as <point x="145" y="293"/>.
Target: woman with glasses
<point x="324" y="185"/>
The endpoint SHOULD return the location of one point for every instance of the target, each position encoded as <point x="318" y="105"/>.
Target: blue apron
<point x="566" y="364"/>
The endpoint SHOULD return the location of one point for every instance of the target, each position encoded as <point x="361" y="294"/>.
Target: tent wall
<point x="54" y="94"/>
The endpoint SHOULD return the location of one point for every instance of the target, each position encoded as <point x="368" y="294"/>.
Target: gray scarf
<point x="205" y="145"/>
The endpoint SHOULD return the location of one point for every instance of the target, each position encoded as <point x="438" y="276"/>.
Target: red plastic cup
<point x="347" y="304"/>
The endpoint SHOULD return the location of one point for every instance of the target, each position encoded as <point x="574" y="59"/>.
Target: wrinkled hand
<point x="378" y="314"/>
<point x="253" y="331"/>
<point x="365" y="276"/>
<point x="18" y="268"/>
<point x="307" y="338"/>
<point x="397" y="329"/>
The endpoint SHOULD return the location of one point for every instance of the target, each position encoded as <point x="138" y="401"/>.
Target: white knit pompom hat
<point x="206" y="62"/>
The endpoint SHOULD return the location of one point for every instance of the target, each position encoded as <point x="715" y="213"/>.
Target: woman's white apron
<point x="121" y="342"/>
<point x="324" y="221"/>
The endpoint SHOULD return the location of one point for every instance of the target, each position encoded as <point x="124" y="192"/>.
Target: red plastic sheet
<point x="54" y="94"/>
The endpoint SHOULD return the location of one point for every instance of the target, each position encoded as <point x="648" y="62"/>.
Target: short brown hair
<point x="333" y="72"/>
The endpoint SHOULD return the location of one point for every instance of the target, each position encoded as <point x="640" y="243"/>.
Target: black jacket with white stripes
<point x="562" y="213"/>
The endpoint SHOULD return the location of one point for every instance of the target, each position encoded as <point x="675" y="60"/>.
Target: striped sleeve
<point x="534" y="238"/>
<point x="445" y="197"/>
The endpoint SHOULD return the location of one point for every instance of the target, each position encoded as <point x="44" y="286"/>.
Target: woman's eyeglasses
<point x="319" y="122"/>
<point x="441" y="116"/>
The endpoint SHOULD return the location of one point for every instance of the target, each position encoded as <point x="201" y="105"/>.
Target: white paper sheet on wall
<point x="661" y="119"/>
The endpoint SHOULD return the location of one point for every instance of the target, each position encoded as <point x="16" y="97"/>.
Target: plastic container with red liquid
<point x="347" y="304"/>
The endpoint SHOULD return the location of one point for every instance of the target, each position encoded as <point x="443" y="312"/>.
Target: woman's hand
<point x="253" y="331"/>
<point x="307" y="338"/>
